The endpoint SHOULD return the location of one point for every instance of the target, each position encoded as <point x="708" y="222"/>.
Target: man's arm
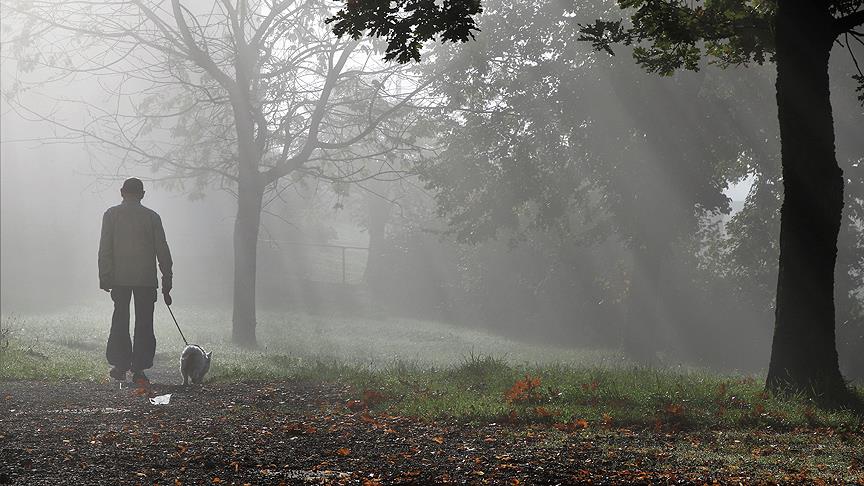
<point x="106" y="253"/>
<point x="163" y="256"/>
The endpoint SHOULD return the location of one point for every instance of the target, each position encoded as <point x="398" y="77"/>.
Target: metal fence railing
<point x="322" y="262"/>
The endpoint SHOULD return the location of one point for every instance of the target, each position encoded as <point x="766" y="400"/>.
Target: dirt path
<point x="296" y="433"/>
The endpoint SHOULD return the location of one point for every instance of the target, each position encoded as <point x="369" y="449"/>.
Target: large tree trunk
<point x="804" y="353"/>
<point x="250" y="194"/>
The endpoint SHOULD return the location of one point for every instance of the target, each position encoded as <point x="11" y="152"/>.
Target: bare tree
<point x="248" y="96"/>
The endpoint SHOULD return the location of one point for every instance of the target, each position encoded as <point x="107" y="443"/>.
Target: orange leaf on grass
<point x="438" y="439"/>
<point x="355" y="405"/>
<point x="343" y="451"/>
<point x="527" y="390"/>
<point x="572" y="426"/>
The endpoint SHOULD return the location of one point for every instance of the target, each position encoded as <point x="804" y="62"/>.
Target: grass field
<point x="420" y="368"/>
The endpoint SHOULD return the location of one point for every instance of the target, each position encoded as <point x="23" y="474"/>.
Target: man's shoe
<point x="138" y="377"/>
<point x="118" y="374"/>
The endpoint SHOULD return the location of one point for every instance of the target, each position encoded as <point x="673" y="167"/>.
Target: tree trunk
<point x="804" y="353"/>
<point x="250" y="194"/>
<point x="378" y="212"/>
<point x="640" y="339"/>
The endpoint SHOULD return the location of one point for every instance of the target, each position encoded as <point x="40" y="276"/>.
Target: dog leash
<point x="178" y="325"/>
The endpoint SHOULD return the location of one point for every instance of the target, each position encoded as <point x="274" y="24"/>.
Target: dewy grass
<point x="50" y="363"/>
<point x="426" y="369"/>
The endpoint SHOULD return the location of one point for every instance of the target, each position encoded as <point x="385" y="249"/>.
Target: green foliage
<point x="536" y="139"/>
<point x="679" y="34"/>
<point x="860" y="88"/>
<point x="668" y="35"/>
<point x="407" y="24"/>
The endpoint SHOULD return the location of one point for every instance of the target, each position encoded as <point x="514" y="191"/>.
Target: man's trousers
<point x="124" y="352"/>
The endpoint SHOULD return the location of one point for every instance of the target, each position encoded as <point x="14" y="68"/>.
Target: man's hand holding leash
<point x="166" y="290"/>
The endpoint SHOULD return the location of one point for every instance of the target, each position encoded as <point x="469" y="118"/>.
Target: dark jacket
<point x="132" y="241"/>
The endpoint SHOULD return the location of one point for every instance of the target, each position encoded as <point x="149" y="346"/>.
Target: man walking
<point x="132" y="241"/>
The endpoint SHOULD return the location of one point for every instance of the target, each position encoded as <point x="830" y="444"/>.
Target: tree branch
<point x="315" y="120"/>
<point x="200" y="57"/>
<point x="374" y="123"/>
<point x="849" y="22"/>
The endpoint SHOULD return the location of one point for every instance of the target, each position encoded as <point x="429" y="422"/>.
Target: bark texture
<point x="250" y="195"/>
<point x="804" y="353"/>
<point x="246" y="227"/>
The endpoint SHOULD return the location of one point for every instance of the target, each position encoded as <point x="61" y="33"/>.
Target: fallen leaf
<point x="343" y="451"/>
<point x="438" y="439"/>
<point x="369" y="419"/>
<point x="372" y="397"/>
<point x="572" y="426"/>
<point x="542" y="412"/>
<point x="524" y="391"/>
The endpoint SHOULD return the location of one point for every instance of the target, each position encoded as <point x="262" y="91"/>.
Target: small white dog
<point x="194" y="364"/>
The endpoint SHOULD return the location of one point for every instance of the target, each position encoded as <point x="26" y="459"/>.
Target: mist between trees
<point x="521" y="182"/>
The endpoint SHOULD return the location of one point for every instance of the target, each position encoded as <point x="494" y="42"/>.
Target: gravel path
<point x="303" y="433"/>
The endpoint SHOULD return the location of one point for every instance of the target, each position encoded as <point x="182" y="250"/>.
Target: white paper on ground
<point x="161" y="399"/>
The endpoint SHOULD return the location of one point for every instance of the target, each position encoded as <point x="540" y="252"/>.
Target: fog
<point x="566" y="198"/>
